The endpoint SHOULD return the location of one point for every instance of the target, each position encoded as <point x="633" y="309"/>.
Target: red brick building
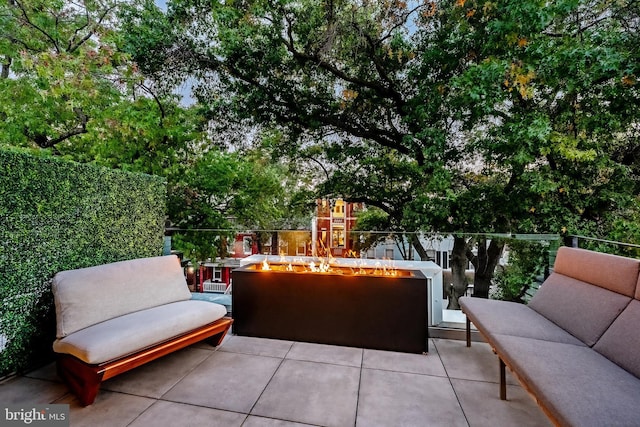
<point x="332" y="226"/>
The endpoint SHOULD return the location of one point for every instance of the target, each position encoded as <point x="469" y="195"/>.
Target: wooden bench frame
<point x="84" y="379"/>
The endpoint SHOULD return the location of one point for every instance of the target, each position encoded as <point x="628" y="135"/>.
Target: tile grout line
<point x="197" y="365"/>
<point x="455" y="393"/>
<point x="160" y="398"/>
<point x="270" y="379"/>
<point x="355" y="420"/>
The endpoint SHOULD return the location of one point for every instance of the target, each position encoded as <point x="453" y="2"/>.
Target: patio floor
<point x="260" y="382"/>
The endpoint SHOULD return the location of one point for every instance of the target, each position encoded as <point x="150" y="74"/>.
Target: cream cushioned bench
<point x="576" y="346"/>
<point x="114" y="317"/>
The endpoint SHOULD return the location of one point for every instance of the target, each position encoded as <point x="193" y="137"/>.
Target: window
<point x="283" y="248"/>
<point x="338" y="209"/>
<point x="247" y="245"/>
<point x="442" y="259"/>
<point x="388" y="253"/>
<point x="301" y="248"/>
<point x="338" y="237"/>
<point x="217" y="274"/>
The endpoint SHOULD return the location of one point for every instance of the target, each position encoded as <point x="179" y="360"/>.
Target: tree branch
<point x="40" y="30"/>
<point x="336" y="72"/>
<point x="87" y="36"/>
<point x="43" y="140"/>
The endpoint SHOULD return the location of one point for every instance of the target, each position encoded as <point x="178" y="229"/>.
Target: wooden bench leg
<point x="83" y="380"/>
<point x="468" y="332"/>
<point x="217" y="339"/>
<point x="503" y="381"/>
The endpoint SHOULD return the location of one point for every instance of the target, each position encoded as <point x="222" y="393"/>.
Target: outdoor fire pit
<point x="376" y="308"/>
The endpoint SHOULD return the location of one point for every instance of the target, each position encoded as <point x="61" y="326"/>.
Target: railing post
<point x="571" y="241"/>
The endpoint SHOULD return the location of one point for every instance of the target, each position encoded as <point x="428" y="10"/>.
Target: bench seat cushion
<point x="579" y="386"/>
<point x="136" y="331"/>
<point x="509" y="318"/>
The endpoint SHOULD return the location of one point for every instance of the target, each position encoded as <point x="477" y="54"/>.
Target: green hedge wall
<point x="56" y="215"/>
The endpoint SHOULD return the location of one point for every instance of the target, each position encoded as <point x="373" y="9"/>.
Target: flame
<point x="383" y="267"/>
<point x="323" y="267"/>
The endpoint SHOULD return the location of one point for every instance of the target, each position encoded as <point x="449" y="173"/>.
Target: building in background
<point x="332" y="227"/>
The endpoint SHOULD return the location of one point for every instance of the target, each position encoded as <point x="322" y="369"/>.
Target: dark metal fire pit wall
<point x="362" y="310"/>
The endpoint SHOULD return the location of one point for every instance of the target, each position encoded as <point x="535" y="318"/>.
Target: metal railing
<point x="630" y="250"/>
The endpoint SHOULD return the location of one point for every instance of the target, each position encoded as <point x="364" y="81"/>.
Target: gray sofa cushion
<point x="578" y="385"/>
<point x="612" y="272"/>
<point x="584" y="310"/>
<point x="132" y="332"/>
<point x="510" y="318"/>
<point x="88" y="296"/>
<point x="621" y="342"/>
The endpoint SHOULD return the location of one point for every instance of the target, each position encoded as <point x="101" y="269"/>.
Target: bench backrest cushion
<point x="586" y="292"/>
<point x="582" y="309"/>
<point x="88" y="296"/>
<point x="613" y="272"/>
<point x="621" y="342"/>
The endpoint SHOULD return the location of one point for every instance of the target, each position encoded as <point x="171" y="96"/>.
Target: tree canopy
<point x="69" y="87"/>
<point x="455" y="115"/>
<point x="452" y="115"/>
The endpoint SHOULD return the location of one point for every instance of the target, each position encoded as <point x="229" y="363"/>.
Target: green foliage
<point x="455" y="115"/>
<point x="60" y="69"/>
<point x="230" y="191"/>
<point x="68" y="86"/>
<point x="57" y="215"/>
<point x="528" y="263"/>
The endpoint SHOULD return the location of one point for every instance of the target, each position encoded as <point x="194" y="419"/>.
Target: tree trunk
<point x="485" y="265"/>
<point x="458" y="270"/>
<point x="6" y="65"/>
<point x="417" y="244"/>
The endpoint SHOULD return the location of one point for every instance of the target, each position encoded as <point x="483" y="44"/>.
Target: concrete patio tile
<point x="482" y="405"/>
<point x="429" y="364"/>
<point x="256" y="346"/>
<point x="313" y="393"/>
<point x="23" y="390"/>
<point x="156" y="378"/>
<point x="47" y="372"/>
<point x="400" y="399"/>
<point x="477" y="362"/>
<point x="109" y="409"/>
<point x="253" y="421"/>
<point x="323" y="353"/>
<point x="172" y="414"/>
<point x="229" y="381"/>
